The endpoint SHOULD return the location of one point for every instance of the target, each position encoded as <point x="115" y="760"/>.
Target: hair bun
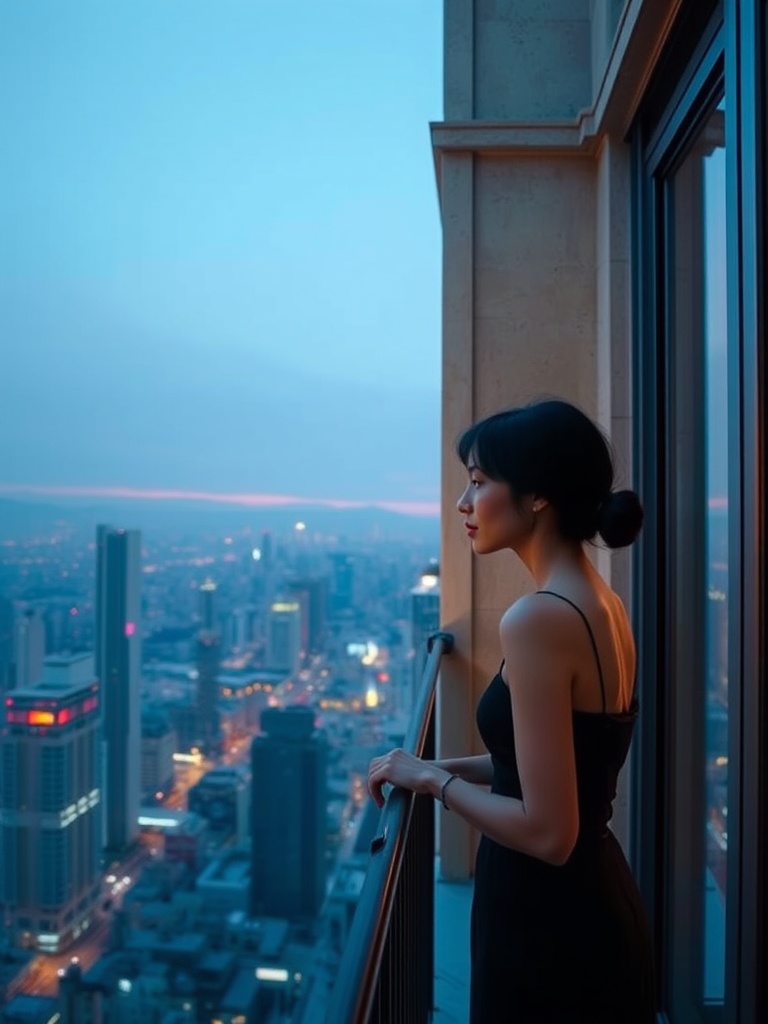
<point x="620" y="519"/>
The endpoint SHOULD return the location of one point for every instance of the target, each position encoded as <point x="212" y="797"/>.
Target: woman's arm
<point x="545" y="823"/>
<point x="476" y="769"/>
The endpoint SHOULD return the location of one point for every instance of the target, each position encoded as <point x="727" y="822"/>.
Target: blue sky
<point x="220" y="246"/>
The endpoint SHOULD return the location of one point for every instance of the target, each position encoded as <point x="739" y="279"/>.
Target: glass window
<point x="700" y="599"/>
<point x="716" y="548"/>
<point x="698" y="488"/>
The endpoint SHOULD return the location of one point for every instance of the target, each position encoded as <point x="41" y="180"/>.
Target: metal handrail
<point x="353" y="994"/>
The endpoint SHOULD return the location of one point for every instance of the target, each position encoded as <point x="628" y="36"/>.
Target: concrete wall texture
<point x="533" y="172"/>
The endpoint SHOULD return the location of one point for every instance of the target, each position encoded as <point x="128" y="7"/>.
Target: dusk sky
<point x="220" y="247"/>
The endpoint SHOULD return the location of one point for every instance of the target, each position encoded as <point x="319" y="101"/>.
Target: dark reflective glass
<point x="700" y="415"/>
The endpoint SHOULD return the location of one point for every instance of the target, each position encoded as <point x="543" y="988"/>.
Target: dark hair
<point x="552" y="449"/>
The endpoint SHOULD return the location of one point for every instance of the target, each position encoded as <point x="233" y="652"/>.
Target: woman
<point x="559" y="935"/>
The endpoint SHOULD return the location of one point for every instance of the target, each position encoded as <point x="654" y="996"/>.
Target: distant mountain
<point x="21" y="519"/>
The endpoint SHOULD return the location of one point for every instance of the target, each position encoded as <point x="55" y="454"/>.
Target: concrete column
<point x="455" y="708"/>
<point x="534" y="180"/>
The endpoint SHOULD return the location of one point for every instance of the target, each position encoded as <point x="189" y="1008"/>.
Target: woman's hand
<point x="404" y="770"/>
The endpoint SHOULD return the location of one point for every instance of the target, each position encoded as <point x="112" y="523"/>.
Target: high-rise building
<point x="158" y="745"/>
<point x="185" y="721"/>
<point x="6" y="644"/>
<point x="262" y="588"/>
<point x="208" y="611"/>
<point x="267" y="551"/>
<point x="118" y="667"/>
<point x="29" y="647"/>
<point x="311" y="593"/>
<point x="342" y="583"/>
<point x="50" y="805"/>
<point x="207" y="662"/>
<point x="288" y="808"/>
<point x="425" y="620"/>
<point x="56" y="618"/>
<point x="222" y="798"/>
<point x="240" y="628"/>
<point x="284" y="636"/>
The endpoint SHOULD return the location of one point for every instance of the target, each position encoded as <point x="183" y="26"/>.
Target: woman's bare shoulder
<point x="531" y="619"/>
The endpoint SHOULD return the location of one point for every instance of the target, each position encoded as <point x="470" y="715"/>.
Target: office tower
<point x="222" y="798"/>
<point x="262" y="589"/>
<point x="207" y="661"/>
<point x="184" y="722"/>
<point x="118" y="667"/>
<point x="299" y="596"/>
<point x="425" y="620"/>
<point x="50" y="804"/>
<point x="158" y="745"/>
<point x="56" y="620"/>
<point x="342" y="584"/>
<point x="267" y="551"/>
<point x="311" y="593"/>
<point x="284" y="636"/>
<point x="29" y="647"/>
<point x="208" y="611"/>
<point x="6" y="644"/>
<point x="240" y="628"/>
<point x="288" y="811"/>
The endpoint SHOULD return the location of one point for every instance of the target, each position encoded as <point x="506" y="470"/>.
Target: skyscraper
<point x="158" y="745"/>
<point x="29" y="647"/>
<point x="208" y="610"/>
<point x="118" y="667"/>
<point x="267" y="552"/>
<point x="207" y="660"/>
<point x="288" y="807"/>
<point x="284" y="635"/>
<point x="262" y="585"/>
<point x="50" y="805"/>
<point x="311" y="593"/>
<point x="6" y="644"/>
<point x="342" y="583"/>
<point x="425" y="620"/>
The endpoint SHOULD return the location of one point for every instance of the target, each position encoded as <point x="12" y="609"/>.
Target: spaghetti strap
<point x="585" y="620"/>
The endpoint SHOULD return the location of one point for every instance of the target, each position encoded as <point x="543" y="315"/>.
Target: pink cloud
<point x="413" y="508"/>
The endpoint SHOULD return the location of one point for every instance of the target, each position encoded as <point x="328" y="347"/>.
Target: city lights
<point x="272" y="974"/>
<point x="371" y="697"/>
<point x="264" y="620"/>
<point x="41" y="718"/>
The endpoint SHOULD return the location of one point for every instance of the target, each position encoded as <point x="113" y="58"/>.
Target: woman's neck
<point x="550" y="557"/>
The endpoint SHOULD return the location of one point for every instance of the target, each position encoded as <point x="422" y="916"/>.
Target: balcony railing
<point x="386" y="973"/>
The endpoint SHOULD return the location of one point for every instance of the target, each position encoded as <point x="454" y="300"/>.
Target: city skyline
<point x="202" y="634"/>
<point x="256" y="501"/>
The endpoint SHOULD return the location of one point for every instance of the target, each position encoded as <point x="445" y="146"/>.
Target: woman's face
<point x="493" y="520"/>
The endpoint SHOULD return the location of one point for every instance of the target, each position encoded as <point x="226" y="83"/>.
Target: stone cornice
<point x="642" y="31"/>
<point x="511" y="136"/>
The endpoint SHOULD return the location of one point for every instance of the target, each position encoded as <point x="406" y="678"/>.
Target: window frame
<point x="718" y="45"/>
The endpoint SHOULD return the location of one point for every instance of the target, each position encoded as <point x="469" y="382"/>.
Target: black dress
<point x="570" y="944"/>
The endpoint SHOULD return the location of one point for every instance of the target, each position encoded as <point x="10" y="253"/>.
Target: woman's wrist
<point x="435" y="779"/>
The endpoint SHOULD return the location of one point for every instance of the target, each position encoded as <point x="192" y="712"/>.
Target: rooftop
<point x="232" y="869"/>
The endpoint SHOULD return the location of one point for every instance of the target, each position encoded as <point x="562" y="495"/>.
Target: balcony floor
<point x="452" y="904"/>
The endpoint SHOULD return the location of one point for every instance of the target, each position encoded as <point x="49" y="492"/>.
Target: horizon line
<point x="245" y="500"/>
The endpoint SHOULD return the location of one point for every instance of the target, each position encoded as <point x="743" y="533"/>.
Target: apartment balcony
<point x="406" y="960"/>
